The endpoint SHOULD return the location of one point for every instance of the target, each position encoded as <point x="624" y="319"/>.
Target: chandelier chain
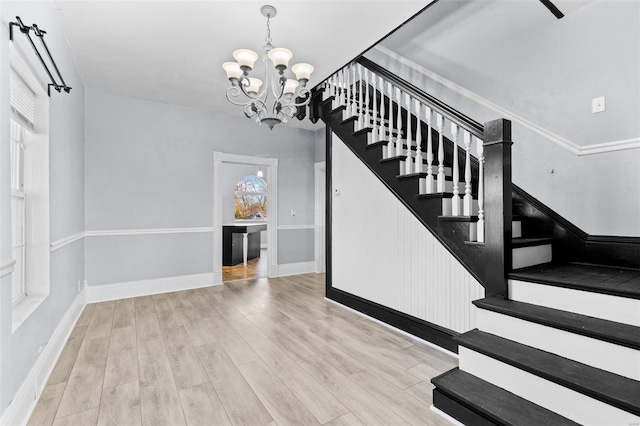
<point x="268" y="38"/>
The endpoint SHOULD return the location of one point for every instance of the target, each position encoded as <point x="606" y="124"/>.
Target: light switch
<point x="597" y="104"/>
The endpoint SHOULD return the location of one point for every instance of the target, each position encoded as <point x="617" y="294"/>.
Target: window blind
<point x="22" y="100"/>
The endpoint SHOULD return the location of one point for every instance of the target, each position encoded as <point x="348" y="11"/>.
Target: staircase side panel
<point x="382" y="253"/>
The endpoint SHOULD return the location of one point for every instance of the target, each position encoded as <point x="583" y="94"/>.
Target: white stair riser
<point x="529" y="256"/>
<point x="516" y="229"/>
<point x="596" y="353"/>
<point x="566" y="402"/>
<point x="605" y="306"/>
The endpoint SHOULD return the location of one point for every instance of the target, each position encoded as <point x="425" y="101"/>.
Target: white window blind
<point x="22" y="100"/>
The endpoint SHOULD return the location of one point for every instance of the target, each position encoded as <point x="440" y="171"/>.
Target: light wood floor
<point x="255" y="352"/>
<point x="255" y="268"/>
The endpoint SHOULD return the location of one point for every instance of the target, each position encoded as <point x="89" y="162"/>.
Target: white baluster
<point x="429" y="189"/>
<point x="467" y="201"/>
<point x="440" y="177"/>
<point x="334" y="92"/>
<point x="455" y="201"/>
<point x="354" y="103"/>
<point x="409" y="161"/>
<point x="382" y="129"/>
<point x="347" y="86"/>
<point x="480" y="150"/>
<point x="340" y="87"/>
<point x="399" y="141"/>
<point x="360" y="102"/>
<point x="418" y="159"/>
<point x="374" y="131"/>
<point x="367" y="116"/>
<point x="391" y="144"/>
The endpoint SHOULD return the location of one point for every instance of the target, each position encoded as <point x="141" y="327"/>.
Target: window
<point x="18" y="212"/>
<point x="29" y="152"/>
<point x="251" y="199"/>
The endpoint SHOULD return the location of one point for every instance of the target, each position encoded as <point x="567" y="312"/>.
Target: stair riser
<point x="612" y="308"/>
<point x="596" y="353"/>
<point x="552" y="396"/>
<point x="529" y="256"/>
<point x="516" y="229"/>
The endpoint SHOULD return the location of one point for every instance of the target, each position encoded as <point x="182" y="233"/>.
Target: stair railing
<point x="403" y="116"/>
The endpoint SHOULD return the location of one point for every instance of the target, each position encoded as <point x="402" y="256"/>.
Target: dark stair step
<point x="607" y="331"/>
<point x="435" y="195"/>
<point x="474" y="401"/>
<point x="612" y="280"/>
<point x="610" y="388"/>
<point x="530" y="242"/>
<point x="338" y="109"/>
<point x="458" y="218"/>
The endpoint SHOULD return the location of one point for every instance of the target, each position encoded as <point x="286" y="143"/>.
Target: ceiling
<point x="172" y="51"/>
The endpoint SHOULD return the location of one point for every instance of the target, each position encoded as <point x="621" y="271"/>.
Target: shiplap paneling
<point x="382" y="253"/>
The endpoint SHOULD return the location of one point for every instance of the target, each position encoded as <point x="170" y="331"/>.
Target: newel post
<point x="497" y="202"/>
<point x="314" y="105"/>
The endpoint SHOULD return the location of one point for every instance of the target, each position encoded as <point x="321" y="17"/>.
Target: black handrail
<point x="450" y="113"/>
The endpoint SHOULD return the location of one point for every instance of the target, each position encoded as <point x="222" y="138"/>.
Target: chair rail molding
<point x="120" y="232"/>
<point x="62" y="242"/>
<point x="6" y="267"/>
<point x="58" y="244"/>
<point x="569" y="145"/>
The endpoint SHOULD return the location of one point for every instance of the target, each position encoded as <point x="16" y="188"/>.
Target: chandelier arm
<point x="234" y="92"/>
<point x="290" y="110"/>
<point x="279" y="84"/>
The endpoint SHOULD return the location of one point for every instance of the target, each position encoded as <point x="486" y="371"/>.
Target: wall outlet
<point x="597" y="104"/>
<point x="293" y="212"/>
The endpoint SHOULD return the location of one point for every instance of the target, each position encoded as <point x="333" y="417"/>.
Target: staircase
<point x="557" y="338"/>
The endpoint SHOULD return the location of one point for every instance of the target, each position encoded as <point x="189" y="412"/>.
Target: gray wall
<point x="150" y="165"/>
<point x="521" y="58"/>
<point x="321" y="145"/>
<point x="19" y="350"/>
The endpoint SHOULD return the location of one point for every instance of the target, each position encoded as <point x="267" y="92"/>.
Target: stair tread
<point x="605" y="330"/>
<point x="610" y="388"/>
<point x="611" y="280"/>
<point x="499" y="405"/>
<point x="437" y="195"/>
<point x="529" y="242"/>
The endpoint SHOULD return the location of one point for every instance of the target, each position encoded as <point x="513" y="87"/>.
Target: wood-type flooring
<point x="256" y="268"/>
<point x="253" y="352"/>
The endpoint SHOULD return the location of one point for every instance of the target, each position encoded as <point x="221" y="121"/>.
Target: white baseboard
<point x="24" y="402"/>
<point x="296" y="268"/>
<point x="103" y="293"/>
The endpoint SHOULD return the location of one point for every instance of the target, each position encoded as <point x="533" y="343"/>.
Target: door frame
<point x="320" y="171"/>
<point x="271" y="166"/>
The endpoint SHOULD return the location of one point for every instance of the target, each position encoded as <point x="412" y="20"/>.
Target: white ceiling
<point x="172" y="51"/>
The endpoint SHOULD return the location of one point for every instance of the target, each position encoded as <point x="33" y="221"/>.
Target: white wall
<point x="19" y="350"/>
<point x="520" y="58"/>
<point x="150" y="166"/>
<point x="382" y="253"/>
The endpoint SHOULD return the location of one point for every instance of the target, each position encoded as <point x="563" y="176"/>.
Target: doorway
<point x="269" y="167"/>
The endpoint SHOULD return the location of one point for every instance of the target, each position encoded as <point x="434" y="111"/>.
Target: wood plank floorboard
<point x="250" y="352"/>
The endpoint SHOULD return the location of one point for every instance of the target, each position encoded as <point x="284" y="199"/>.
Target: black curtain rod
<point x="24" y="29"/>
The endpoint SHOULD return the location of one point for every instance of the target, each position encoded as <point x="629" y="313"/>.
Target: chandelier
<point x="276" y="99"/>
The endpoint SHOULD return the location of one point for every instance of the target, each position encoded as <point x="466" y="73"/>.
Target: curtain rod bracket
<point x="40" y="34"/>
